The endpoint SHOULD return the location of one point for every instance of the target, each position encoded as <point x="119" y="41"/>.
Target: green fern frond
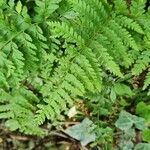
<point x="146" y="81"/>
<point x="129" y="23"/>
<point x="75" y="81"/>
<point x="120" y="6"/>
<point x="141" y="63"/>
<point x="19" y="110"/>
<point x="62" y="29"/>
<point x="119" y="47"/>
<point x="106" y="60"/>
<point x="45" y="9"/>
<point x="137" y="7"/>
<point x="64" y="50"/>
<point x="124" y="34"/>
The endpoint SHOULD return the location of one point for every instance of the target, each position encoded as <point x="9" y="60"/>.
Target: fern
<point x="147" y="81"/>
<point x="129" y="23"/>
<point x="64" y="50"/>
<point x="137" y="7"/>
<point x="18" y="108"/>
<point x="45" y="8"/>
<point x="141" y="63"/>
<point x="107" y="60"/>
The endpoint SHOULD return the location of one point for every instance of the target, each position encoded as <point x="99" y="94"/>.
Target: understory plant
<point x="54" y="53"/>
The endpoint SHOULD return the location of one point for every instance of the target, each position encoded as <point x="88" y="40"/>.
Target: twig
<point x="59" y="134"/>
<point x="20" y="138"/>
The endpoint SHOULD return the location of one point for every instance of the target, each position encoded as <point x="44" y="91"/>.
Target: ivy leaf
<point x="139" y="122"/>
<point x="130" y="133"/>
<point x="127" y="120"/>
<point x="82" y="132"/>
<point x="142" y="146"/>
<point x="128" y="146"/>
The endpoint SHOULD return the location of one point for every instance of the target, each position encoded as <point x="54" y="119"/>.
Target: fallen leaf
<point x="72" y="112"/>
<point x="1" y="140"/>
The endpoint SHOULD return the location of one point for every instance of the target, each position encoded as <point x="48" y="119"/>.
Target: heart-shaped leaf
<point x="83" y="132"/>
<point x="127" y="121"/>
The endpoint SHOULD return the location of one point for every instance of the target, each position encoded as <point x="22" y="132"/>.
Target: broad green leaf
<point x="122" y="89"/>
<point x="82" y="132"/>
<point x="112" y="95"/>
<point x="144" y="111"/>
<point x="12" y="124"/>
<point x="130" y="133"/>
<point x="142" y="146"/>
<point x="139" y="122"/>
<point x="146" y="135"/>
<point x="128" y="146"/>
<point x="127" y="120"/>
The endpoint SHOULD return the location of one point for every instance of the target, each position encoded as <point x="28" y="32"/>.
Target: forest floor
<point x="54" y="141"/>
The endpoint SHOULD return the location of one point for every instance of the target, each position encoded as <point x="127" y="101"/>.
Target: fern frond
<point x="19" y="111"/>
<point x="88" y="17"/>
<point x="120" y="49"/>
<point x="69" y="81"/>
<point x="141" y="63"/>
<point x="137" y="7"/>
<point x="120" y="6"/>
<point x="105" y="59"/>
<point x="62" y="29"/>
<point x="146" y="81"/>
<point x="61" y="51"/>
<point x="124" y="34"/>
<point x="45" y="9"/>
<point x="91" y="57"/>
<point x="129" y="23"/>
